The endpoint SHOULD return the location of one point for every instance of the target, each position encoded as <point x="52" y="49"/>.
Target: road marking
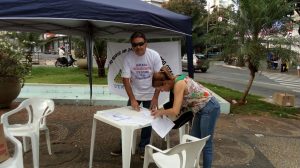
<point x="298" y="91"/>
<point x="290" y="81"/>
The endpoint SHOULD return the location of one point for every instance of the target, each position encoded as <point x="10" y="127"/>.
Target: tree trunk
<point x="253" y="70"/>
<point x="101" y="69"/>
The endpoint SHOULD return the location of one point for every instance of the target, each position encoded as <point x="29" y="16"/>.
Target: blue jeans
<point x="204" y="124"/>
<point x="146" y="132"/>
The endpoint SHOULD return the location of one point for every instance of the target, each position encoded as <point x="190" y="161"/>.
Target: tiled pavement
<point x="240" y="141"/>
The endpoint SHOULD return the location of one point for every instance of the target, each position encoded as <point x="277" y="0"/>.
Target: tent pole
<point x="89" y="49"/>
<point x="189" y="51"/>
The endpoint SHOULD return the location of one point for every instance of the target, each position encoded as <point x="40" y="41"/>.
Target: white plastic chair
<point x="184" y="155"/>
<point x="38" y="109"/>
<point x="182" y="123"/>
<point x="16" y="161"/>
<point x="181" y="131"/>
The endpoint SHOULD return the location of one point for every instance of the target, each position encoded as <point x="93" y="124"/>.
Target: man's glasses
<point x="137" y="44"/>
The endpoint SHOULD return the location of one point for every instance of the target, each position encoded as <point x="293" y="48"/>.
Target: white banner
<point x="169" y="52"/>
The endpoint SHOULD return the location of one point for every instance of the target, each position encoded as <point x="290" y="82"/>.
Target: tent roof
<point x="108" y="18"/>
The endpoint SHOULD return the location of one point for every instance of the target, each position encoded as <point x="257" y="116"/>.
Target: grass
<point x="70" y="75"/>
<point x="254" y="106"/>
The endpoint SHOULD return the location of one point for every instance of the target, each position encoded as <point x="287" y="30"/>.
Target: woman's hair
<point x="159" y="78"/>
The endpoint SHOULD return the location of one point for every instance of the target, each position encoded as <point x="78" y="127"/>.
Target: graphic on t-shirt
<point x="118" y="78"/>
<point x="142" y="71"/>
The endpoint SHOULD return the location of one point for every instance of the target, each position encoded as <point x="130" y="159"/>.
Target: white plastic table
<point x="127" y="130"/>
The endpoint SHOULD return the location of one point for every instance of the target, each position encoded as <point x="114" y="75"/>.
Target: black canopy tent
<point x="90" y="18"/>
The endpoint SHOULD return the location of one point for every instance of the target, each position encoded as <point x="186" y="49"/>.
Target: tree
<point x="100" y="55"/>
<point x="99" y="52"/>
<point x="194" y="9"/>
<point x="28" y="41"/>
<point x="79" y="47"/>
<point x="247" y="31"/>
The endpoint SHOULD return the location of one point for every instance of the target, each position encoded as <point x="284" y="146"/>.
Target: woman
<point x="190" y="96"/>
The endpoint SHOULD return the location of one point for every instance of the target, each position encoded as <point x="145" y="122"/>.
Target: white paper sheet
<point x="146" y="112"/>
<point x="140" y="120"/>
<point x="116" y="116"/>
<point x="162" y="125"/>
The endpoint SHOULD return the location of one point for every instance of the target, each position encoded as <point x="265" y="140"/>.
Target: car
<point x="200" y="62"/>
<point x="213" y="54"/>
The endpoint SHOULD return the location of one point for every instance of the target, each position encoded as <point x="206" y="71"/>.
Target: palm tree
<point x="247" y="31"/>
<point x="100" y="55"/>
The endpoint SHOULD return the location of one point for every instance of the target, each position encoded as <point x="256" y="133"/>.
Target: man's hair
<point x="138" y="34"/>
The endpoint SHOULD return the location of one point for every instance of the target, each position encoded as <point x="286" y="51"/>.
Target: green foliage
<point x="26" y="40"/>
<point x="79" y="47"/>
<point x="194" y="9"/>
<point x="100" y="48"/>
<point x="254" y="24"/>
<point x="100" y="55"/>
<point x="10" y="60"/>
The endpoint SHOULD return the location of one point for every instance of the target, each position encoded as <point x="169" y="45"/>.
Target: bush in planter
<point x="12" y="72"/>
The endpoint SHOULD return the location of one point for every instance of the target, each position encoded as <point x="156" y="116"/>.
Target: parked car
<point x="213" y="54"/>
<point x="200" y="62"/>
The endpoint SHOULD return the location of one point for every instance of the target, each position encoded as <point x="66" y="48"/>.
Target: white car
<point x="200" y="62"/>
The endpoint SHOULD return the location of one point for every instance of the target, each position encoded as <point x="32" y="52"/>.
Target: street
<point x="265" y="84"/>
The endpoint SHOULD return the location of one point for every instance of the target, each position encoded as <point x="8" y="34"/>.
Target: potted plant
<point x="12" y="71"/>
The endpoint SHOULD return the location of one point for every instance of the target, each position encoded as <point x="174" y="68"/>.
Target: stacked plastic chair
<point x="37" y="109"/>
<point x="15" y="161"/>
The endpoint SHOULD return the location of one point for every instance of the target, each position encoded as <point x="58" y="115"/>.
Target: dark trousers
<point x="283" y="67"/>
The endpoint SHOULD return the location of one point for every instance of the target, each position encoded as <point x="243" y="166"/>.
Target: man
<point x="61" y="51"/>
<point x="138" y="68"/>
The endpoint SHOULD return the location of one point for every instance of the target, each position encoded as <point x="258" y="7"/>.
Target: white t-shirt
<point x="61" y="52"/>
<point x="140" y="70"/>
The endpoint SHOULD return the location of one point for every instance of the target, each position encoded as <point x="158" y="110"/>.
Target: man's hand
<point x="154" y="104"/>
<point x="135" y="105"/>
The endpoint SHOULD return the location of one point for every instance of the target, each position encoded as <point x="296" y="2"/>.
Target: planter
<point x="82" y="63"/>
<point x="10" y="88"/>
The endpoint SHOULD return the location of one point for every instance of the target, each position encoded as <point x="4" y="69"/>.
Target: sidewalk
<point x="240" y="141"/>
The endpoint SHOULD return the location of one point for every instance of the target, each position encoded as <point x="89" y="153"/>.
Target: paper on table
<point x="146" y="112"/>
<point x="116" y="116"/>
<point x="140" y="120"/>
<point x="162" y="125"/>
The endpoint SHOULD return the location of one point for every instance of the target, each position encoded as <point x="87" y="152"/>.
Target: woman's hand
<point x="156" y="113"/>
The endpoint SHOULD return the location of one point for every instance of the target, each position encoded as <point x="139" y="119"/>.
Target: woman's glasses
<point x="137" y="44"/>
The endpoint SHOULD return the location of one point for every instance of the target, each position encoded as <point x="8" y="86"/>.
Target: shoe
<point x="117" y="152"/>
<point x="142" y="153"/>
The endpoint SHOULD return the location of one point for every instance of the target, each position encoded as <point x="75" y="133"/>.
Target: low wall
<point x="80" y="94"/>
